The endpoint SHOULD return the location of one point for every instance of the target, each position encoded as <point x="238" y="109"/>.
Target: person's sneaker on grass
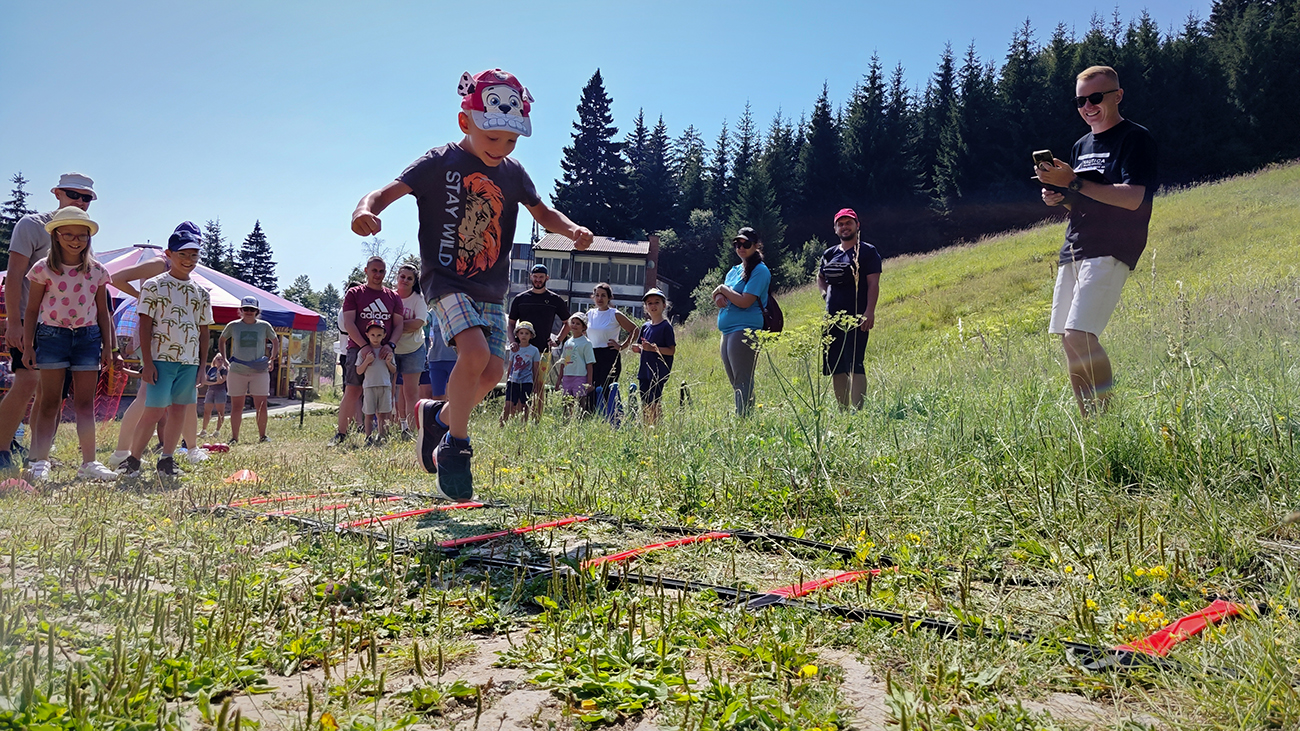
<point x="116" y="459"/>
<point x="198" y="454"/>
<point x="6" y="461"/>
<point x="96" y="471"/>
<point x="429" y="432"/>
<point x="454" y="479"/>
<point x="40" y="470"/>
<point x="167" y="466"/>
<point x="264" y="439"/>
<point x="337" y="439"/>
<point x="129" y="467"/>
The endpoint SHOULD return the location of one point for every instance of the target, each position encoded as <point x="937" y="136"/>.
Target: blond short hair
<point x="1095" y="71"/>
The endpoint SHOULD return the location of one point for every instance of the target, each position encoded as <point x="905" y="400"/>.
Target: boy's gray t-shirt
<point x="468" y="212"/>
<point x="30" y="238"/>
<point x="248" y="343"/>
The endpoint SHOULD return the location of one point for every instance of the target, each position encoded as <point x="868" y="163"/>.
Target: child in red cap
<point x="468" y="194"/>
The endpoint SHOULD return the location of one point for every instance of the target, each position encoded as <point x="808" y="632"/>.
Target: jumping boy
<point x="468" y="194"/>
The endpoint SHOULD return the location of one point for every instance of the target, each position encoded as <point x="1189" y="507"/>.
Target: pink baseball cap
<point x="495" y="100"/>
<point x="846" y="212"/>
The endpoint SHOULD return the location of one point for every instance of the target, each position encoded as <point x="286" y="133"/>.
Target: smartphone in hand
<point x="1042" y="157"/>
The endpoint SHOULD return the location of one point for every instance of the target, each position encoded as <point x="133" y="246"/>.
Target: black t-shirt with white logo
<point x="467" y="221"/>
<point x="848" y="292"/>
<point x="1125" y="153"/>
<point x="541" y="310"/>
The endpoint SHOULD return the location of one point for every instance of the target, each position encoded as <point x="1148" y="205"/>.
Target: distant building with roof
<point x="630" y="268"/>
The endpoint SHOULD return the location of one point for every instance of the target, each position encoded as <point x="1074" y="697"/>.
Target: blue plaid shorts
<point x="458" y="312"/>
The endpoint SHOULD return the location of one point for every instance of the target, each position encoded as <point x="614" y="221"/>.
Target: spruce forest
<point x="947" y="162"/>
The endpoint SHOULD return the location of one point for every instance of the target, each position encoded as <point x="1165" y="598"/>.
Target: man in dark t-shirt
<point x="849" y="281"/>
<point x="541" y="307"/>
<point x="1108" y="187"/>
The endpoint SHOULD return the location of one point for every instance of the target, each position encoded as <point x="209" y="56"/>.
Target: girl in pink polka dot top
<point x="69" y="326"/>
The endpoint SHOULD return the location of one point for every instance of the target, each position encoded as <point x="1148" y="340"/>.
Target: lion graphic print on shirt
<point x="181" y="310"/>
<point x="468" y="212"/>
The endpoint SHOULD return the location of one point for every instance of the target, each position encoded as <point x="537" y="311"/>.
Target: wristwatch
<point x="1076" y="185"/>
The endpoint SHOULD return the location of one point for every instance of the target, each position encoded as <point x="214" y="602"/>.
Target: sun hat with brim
<point x="76" y="181"/>
<point x="71" y="216"/>
<point x="525" y="325"/>
<point x="654" y="292"/>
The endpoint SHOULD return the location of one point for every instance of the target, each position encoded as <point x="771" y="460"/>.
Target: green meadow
<point x="968" y="478"/>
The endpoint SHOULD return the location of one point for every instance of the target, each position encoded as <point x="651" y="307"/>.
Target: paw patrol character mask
<point x="496" y="101"/>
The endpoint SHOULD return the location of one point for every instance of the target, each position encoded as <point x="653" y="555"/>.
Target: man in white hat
<point x="28" y="244"/>
<point x="244" y="342"/>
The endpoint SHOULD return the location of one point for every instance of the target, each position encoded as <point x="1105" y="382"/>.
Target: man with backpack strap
<point x="849" y="280"/>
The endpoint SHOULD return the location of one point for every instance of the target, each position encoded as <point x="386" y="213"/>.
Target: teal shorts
<point x="458" y="312"/>
<point x="177" y="385"/>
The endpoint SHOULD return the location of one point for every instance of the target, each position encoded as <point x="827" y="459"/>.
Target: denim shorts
<point x="177" y="385"/>
<point x="412" y="362"/>
<point x="439" y="374"/>
<point x="74" y="348"/>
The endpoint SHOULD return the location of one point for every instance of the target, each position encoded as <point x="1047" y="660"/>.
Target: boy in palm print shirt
<point x="174" y="314"/>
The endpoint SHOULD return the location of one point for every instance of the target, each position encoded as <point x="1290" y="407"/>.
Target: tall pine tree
<point x="717" y="181"/>
<point x="13" y="209"/>
<point x="593" y="188"/>
<point x="216" y="253"/>
<point x="819" y="174"/>
<point x="255" y="265"/>
<point x="863" y="131"/>
<point x="688" y="173"/>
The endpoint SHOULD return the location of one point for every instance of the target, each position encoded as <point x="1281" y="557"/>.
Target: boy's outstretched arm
<point x="365" y="218"/>
<point x="551" y="220"/>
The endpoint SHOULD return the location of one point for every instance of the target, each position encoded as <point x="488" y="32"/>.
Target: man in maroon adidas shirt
<point x="364" y="305"/>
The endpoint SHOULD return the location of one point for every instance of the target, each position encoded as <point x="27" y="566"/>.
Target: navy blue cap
<point x="539" y="269"/>
<point x="186" y="236"/>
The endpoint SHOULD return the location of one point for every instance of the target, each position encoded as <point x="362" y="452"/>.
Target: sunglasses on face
<point x="249" y="310"/>
<point x="1095" y="98"/>
<point x="71" y="237"/>
<point x="74" y="195"/>
<point x="743" y="244"/>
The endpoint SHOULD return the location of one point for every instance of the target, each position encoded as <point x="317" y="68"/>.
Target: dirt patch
<point x="863" y="690"/>
<point x="1074" y="709"/>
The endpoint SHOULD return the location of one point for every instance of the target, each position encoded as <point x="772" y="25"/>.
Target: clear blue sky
<point x="288" y="112"/>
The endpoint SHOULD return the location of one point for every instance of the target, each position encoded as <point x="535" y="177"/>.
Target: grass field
<point x="968" y="474"/>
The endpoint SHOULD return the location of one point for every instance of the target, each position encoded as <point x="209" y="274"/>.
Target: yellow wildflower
<point x="1091" y="605"/>
<point x="807" y="671"/>
<point x="1159" y="598"/>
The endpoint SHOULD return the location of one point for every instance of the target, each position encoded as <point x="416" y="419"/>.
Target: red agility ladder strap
<point x="1164" y="639"/>
<point x="323" y="508"/>
<point x="512" y="532"/>
<point x="266" y="500"/>
<point x="408" y="514"/>
<point x="808" y="587"/>
<point x="632" y="553"/>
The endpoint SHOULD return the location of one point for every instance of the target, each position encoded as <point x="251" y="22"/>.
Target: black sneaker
<point x="428" y="433"/>
<point x="233" y="440"/>
<point x="130" y="467"/>
<point x="264" y="439"/>
<point x="337" y="439"/>
<point x="454" y="479"/>
<point x="167" y="466"/>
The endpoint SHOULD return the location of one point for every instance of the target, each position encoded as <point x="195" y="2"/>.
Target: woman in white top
<point x="411" y="350"/>
<point x="609" y="331"/>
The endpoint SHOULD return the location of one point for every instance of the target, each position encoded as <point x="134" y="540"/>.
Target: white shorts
<point x="376" y="400"/>
<point x="1086" y="295"/>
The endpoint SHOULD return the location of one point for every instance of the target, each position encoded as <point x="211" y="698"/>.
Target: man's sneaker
<point x="199" y="454"/>
<point x="129" y="467"/>
<point x="264" y="439"/>
<point x="407" y="435"/>
<point x="6" y="461"/>
<point x="452" y="460"/>
<point x="428" y="433"/>
<point x="116" y="459"/>
<point x="96" y="471"/>
<point x="337" y="439"/>
<point x="167" y="466"/>
<point x="203" y="432"/>
<point x="17" y="448"/>
<point x="233" y="440"/>
<point x="40" y="470"/>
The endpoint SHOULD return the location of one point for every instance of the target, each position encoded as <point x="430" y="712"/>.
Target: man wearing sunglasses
<point x="28" y="244"/>
<point x="1108" y="187"/>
